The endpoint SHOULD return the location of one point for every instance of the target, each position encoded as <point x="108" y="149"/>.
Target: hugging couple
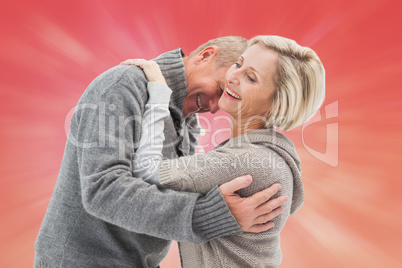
<point x="109" y="209"/>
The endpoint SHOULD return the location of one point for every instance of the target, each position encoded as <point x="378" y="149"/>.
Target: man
<point x="102" y="216"/>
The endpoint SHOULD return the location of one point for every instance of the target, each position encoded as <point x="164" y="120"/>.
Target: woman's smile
<point x="231" y="94"/>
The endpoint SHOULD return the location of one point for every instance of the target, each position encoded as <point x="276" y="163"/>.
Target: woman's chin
<point x="231" y="112"/>
<point x="228" y="106"/>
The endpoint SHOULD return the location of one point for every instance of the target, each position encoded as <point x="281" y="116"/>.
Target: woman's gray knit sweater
<point x="270" y="158"/>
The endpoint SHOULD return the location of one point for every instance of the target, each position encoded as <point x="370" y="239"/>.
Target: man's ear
<point x="206" y="54"/>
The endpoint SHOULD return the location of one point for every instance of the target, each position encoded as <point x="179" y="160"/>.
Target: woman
<point x="275" y="83"/>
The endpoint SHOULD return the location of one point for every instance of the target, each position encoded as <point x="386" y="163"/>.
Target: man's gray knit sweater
<point x="270" y="158"/>
<point x="99" y="214"/>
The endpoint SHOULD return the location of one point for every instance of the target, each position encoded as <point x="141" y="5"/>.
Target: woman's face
<point x="250" y="84"/>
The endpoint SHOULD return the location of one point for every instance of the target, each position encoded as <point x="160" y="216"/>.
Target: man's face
<point x="205" y="86"/>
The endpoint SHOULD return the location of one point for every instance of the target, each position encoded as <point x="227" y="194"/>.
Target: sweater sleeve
<point x="105" y="131"/>
<point x="201" y="172"/>
<point x="149" y="153"/>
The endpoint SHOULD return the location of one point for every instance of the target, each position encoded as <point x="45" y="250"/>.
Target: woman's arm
<point x="149" y="153"/>
<point x="201" y="172"/>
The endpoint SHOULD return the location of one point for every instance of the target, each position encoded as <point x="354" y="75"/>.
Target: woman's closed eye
<point x="249" y="78"/>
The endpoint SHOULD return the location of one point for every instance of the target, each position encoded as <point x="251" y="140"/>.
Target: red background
<point x="51" y="50"/>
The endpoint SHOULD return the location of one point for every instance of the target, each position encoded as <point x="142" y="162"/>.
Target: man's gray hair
<point x="229" y="49"/>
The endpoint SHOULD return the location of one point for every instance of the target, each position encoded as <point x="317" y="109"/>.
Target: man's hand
<point x="253" y="213"/>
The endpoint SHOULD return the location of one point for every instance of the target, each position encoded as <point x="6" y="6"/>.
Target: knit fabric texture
<point x="269" y="157"/>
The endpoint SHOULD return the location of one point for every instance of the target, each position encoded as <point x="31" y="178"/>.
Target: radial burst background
<point x="51" y="50"/>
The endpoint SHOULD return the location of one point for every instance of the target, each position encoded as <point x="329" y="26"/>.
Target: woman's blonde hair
<point x="299" y="82"/>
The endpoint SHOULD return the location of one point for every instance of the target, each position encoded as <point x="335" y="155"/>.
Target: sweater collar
<point x="172" y="67"/>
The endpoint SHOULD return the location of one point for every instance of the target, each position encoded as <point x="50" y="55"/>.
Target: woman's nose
<point x="232" y="77"/>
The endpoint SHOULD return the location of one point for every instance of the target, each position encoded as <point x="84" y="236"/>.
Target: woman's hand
<point x="150" y="68"/>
